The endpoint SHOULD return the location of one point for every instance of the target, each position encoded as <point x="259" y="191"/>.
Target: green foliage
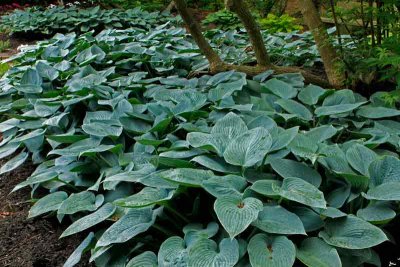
<point x="284" y="23"/>
<point x="73" y="19"/>
<point x="222" y="170"/>
<point x="4" y="45"/>
<point x="3" y="68"/>
<point x="223" y="19"/>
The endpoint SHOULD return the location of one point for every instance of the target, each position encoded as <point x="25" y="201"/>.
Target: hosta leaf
<point x="36" y="179"/>
<point x="298" y="190"/>
<point x="280" y="88"/>
<point x="14" y="163"/>
<point x="236" y="214"/>
<point x="136" y="221"/>
<point x="274" y="251"/>
<point x="187" y="177"/>
<point x="314" y="252"/>
<point x="173" y="252"/>
<point x="83" y="201"/>
<point x="48" y="203"/>
<point x="377" y="213"/>
<point x="148" y="259"/>
<point x="384" y="170"/>
<point x="8" y="149"/>
<point x="195" y="232"/>
<point x="311" y="220"/>
<point x="47" y="71"/>
<point x="90" y="220"/>
<point x="207" y="141"/>
<point x="216" y="164"/>
<point x="229" y="185"/>
<point x="305" y="147"/>
<point x="296" y="108"/>
<point x="249" y="148"/>
<point x="311" y="94"/>
<point x="336" y="109"/>
<point x="146" y="197"/>
<point x="372" y="112"/>
<point x="360" y="157"/>
<point x="290" y="168"/>
<point x="277" y="220"/>
<point x="352" y="233"/>
<point x="77" y="254"/>
<point x="230" y="126"/>
<point x="102" y="129"/>
<point x="386" y="191"/>
<point x="321" y="133"/>
<point x="206" y="253"/>
<point x="265" y="187"/>
<point x="283" y="138"/>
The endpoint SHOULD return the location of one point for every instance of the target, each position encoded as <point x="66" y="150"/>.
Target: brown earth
<point x="29" y="242"/>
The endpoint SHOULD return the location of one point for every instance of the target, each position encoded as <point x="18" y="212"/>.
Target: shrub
<point x="284" y="23"/>
<point x="73" y="19"/>
<point x="218" y="170"/>
<point x="223" y="19"/>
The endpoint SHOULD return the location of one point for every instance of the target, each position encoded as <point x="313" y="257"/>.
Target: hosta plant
<point x="73" y="19"/>
<point x="226" y="170"/>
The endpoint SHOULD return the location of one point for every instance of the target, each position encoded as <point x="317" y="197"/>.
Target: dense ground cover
<point x="222" y="170"/>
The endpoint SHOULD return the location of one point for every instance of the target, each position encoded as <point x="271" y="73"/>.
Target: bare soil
<point x="29" y="242"/>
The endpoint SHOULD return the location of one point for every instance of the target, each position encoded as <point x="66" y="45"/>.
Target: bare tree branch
<point x="243" y="12"/>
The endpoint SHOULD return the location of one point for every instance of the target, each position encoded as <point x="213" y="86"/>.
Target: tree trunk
<point x="216" y="63"/>
<point x="195" y="30"/>
<point x="331" y="61"/>
<point x="243" y="12"/>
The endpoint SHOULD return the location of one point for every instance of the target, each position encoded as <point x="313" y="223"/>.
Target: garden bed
<point x="29" y="242"/>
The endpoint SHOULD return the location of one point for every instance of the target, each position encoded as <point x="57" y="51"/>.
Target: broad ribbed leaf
<point x="83" y="201"/>
<point x="272" y="251"/>
<point x="216" y="164"/>
<point x="173" y="252"/>
<point x="236" y="214"/>
<point x="136" y="221"/>
<point x="311" y="94"/>
<point x="277" y="220"/>
<point x="314" y="252"/>
<point x="322" y="133"/>
<point x="352" y="233"/>
<point x="77" y="254"/>
<point x="360" y="157"/>
<point x="377" y="213"/>
<point x="48" y="203"/>
<point x="386" y="191"/>
<point x="384" y="170"/>
<point x="265" y="187"/>
<point x="14" y="163"/>
<point x="206" y="253"/>
<point x="280" y="88"/>
<point x="148" y="259"/>
<point x="146" y="197"/>
<point x="187" y="177"/>
<point x="90" y="220"/>
<point x="290" y="168"/>
<point x="372" y="112"/>
<point x="36" y="179"/>
<point x="298" y="190"/>
<point x="229" y="185"/>
<point x="336" y="109"/>
<point x="296" y="108"/>
<point x="249" y="148"/>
